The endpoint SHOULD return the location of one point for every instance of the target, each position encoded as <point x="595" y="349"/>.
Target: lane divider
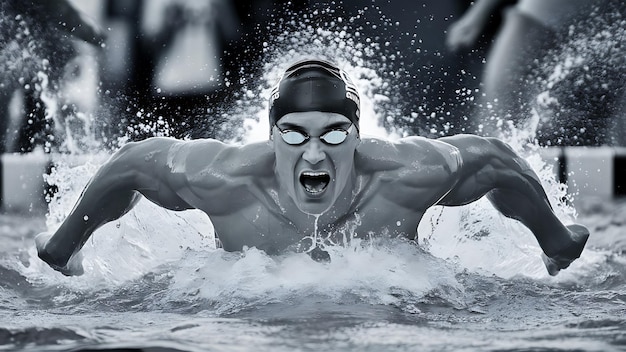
<point x="588" y="171"/>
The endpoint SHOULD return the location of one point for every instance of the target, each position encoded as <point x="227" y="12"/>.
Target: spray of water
<point x="581" y="84"/>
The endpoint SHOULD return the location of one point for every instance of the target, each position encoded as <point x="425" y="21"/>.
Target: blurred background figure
<point x="171" y="65"/>
<point x="532" y="31"/>
<point x="38" y="40"/>
<point x="163" y="56"/>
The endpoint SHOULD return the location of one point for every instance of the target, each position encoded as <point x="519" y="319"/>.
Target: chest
<point x="271" y="231"/>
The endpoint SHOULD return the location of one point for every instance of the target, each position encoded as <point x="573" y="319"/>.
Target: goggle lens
<point x="333" y="137"/>
<point x="293" y="137"/>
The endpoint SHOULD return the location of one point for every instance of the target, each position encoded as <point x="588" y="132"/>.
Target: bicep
<point x="149" y="171"/>
<point x="487" y="163"/>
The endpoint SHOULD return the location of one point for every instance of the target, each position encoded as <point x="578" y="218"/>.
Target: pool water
<point x="391" y="296"/>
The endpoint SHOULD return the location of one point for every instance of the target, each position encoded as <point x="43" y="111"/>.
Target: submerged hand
<point x="73" y="267"/>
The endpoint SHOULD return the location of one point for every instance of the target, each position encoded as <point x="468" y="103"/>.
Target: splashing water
<point x="41" y="64"/>
<point x="300" y="39"/>
<point x="580" y="90"/>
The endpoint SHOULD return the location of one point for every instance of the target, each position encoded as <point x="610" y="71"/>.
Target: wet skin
<point x="272" y="195"/>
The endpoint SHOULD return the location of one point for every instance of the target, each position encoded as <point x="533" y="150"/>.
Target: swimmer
<point x="315" y="172"/>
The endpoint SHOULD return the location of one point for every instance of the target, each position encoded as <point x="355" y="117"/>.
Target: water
<point x="152" y="286"/>
<point x="473" y="282"/>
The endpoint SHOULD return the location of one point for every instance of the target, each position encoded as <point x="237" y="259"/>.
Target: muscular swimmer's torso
<point x="395" y="184"/>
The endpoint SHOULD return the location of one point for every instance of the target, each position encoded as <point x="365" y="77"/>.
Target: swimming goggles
<point x="332" y="137"/>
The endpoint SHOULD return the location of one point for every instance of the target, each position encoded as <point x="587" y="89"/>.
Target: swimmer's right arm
<point x="138" y="168"/>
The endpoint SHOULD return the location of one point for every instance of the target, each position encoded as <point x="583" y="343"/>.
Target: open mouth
<point x="314" y="182"/>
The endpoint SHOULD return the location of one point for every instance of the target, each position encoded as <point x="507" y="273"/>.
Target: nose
<point x="313" y="152"/>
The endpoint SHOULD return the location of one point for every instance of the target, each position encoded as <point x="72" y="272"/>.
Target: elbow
<point x="139" y="165"/>
<point x="501" y="146"/>
<point x="124" y="151"/>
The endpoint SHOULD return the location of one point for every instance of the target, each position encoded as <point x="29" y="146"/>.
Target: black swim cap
<point x="314" y="85"/>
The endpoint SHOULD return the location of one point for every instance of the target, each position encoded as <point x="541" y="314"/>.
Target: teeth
<point x="314" y="182"/>
<point x="314" y="174"/>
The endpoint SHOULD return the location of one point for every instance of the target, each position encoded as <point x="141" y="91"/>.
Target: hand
<point x="73" y="267"/>
<point x="464" y="33"/>
<point x="570" y="252"/>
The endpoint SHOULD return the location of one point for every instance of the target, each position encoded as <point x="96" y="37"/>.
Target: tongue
<point x="314" y="184"/>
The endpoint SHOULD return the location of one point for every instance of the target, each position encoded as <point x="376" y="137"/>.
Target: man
<point x="315" y="175"/>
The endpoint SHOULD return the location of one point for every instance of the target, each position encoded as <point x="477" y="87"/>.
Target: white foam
<point x="370" y="272"/>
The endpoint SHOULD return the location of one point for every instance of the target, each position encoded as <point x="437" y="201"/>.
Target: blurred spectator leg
<point x="5" y="116"/>
<point x="36" y="129"/>
<point x="519" y="45"/>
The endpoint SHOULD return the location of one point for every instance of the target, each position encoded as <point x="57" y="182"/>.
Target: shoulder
<point x="472" y="147"/>
<point x="191" y="157"/>
<point x="215" y="157"/>
<point x="411" y="152"/>
<point x="412" y="172"/>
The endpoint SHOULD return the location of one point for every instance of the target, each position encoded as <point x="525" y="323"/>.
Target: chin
<point x="313" y="204"/>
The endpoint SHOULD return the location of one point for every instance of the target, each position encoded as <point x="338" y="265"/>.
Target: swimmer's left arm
<point x="490" y="167"/>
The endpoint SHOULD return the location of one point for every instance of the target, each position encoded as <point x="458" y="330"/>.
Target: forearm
<point x="492" y="168"/>
<point x="141" y="168"/>
<point x="108" y="196"/>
